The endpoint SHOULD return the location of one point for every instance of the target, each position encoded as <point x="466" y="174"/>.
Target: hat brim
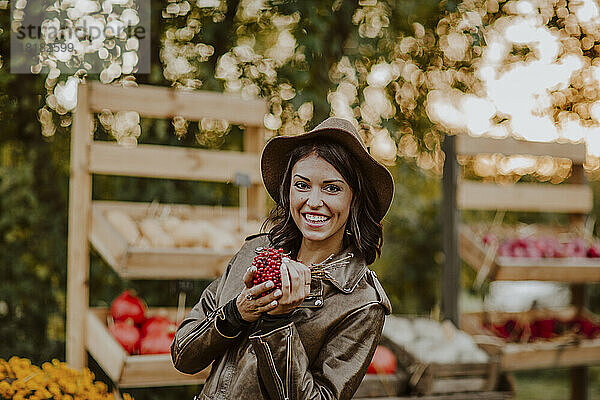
<point x="276" y="152"/>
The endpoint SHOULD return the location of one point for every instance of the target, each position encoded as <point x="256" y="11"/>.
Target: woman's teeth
<point x="315" y="218"/>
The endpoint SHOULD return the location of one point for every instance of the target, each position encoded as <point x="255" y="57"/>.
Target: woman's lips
<point x="315" y="220"/>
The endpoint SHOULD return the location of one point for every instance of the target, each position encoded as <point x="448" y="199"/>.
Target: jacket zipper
<point x="278" y="381"/>
<point x="288" y="366"/>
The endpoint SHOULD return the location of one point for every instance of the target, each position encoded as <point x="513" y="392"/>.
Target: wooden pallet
<point x="571" y="269"/>
<point x="130" y="371"/>
<point x="554" y="353"/>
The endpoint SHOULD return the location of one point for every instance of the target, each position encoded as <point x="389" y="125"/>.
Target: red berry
<point x="268" y="263"/>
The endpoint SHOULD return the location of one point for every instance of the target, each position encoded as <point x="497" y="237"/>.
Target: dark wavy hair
<point x="362" y="228"/>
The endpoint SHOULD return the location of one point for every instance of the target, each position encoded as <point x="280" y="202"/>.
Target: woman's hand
<point x="250" y="304"/>
<point x="295" y="286"/>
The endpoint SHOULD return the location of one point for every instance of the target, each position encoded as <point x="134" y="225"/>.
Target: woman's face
<point x="319" y="199"/>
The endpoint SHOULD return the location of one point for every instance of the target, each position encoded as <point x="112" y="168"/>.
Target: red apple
<point x="575" y="248"/>
<point x="126" y="334"/>
<point x="126" y="306"/>
<point x="156" y="343"/>
<point x="384" y="362"/>
<point x="158" y="324"/>
<point x="593" y="252"/>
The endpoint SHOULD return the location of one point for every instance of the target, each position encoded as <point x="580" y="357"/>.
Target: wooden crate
<point x="556" y="353"/>
<point x="130" y="371"/>
<point x="570" y="269"/>
<point x="134" y="262"/>
<point x="433" y="378"/>
<point x="381" y="385"/>
<point x="496" y="395"/>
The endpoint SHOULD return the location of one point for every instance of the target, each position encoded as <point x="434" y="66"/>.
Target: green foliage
<point x="410" y="264"/>
<point x="32" y="247"/>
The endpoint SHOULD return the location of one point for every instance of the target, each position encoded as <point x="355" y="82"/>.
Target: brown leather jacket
<point x="323" y="353"/>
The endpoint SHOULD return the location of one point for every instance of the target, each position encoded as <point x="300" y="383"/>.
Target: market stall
<point x="540" y="253"/>
<point x="153" y="241"/>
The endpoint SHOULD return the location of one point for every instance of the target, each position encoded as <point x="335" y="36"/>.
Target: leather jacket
<point x="322" y="352"/>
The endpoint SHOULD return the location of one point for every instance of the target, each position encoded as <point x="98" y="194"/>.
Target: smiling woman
<point x="325" y="192"/>
<point x="313" y="336"/>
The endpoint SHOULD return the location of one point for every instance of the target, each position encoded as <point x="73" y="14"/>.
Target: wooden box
<point x="433" y="378"/>
<point x="130" y="371"/>
<point x="562" y="351"/>
<point x="135" y="261"/>
<point x="568" y="269"/>
<point x="496" y="395"/>
<point x="382" y="385"/>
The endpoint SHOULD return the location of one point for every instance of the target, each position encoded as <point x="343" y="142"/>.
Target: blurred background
<point x="407" y="72"/>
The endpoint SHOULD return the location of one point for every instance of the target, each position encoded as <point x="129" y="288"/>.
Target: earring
<point x="347" y="232"/>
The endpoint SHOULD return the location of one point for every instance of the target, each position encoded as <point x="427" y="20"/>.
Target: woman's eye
<point x="301" y="185"/>
<point x="332" y="188"/>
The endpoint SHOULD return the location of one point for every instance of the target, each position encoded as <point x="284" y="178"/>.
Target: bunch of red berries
<point x="268" y="263"/>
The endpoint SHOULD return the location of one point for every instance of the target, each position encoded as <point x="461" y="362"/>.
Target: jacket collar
<point x="346" y="277"/>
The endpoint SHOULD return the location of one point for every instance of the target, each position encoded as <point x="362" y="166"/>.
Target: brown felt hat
<point x="276" y="154"/>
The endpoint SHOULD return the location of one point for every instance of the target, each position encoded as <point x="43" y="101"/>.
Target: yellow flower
<point x="19" y="379"/>
<point x="6" y="390"/>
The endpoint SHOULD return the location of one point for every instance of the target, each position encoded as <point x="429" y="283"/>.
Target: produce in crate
<point x="127" y="334"/>
<point x="433" y="342"/>
<point x="158" y="324"/>
<point x="161" y="228"/>
<point x="383" y="362"/>
<point x="535" y="241"/>
<point x="154" y="232"/>
<point x="156" y="343"/>
<point x="157" y="334"/>
<point x="189" y="233"/>
<point x="128" y="306"/>
<point x="125" y="225"/>
<point x="136" y="333"/>
<point x="542" y="325"/>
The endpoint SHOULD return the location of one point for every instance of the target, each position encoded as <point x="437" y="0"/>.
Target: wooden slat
<point x="455" y="370"/>
<point x="468" y="145"/>
<point x="453" y="396"/>
<point x="102" y="346"/>
<point x="80" y="197"/>
<point x="156" y="370"/>
<point x="254" y="141"/>
<point x="570" y="270"/>
<point x="163" y="102"/>
<point x="564" y="198"/>
<point x="156" y="161"/>
<point x="474" y="253"/>
<point x="458" y="385"/>
<point x="379" y="385"/>
<point x="518" y="357"/>
<point x="106" y="240"/>
<point x="174" y="264"/>
<point x="138" y="210"/>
